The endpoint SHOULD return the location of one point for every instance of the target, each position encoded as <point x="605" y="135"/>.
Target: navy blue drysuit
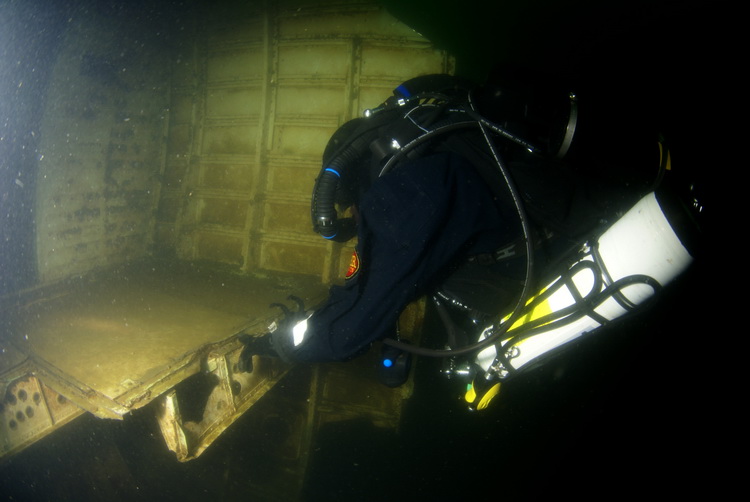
<point x="415" y="223"/>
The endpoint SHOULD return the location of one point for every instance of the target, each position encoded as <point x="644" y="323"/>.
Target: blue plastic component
<point x="395" y="365"/>
<point x="404" y="91"/>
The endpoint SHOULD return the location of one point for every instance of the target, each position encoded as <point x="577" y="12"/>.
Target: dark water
<point x="624" y="415"/>
<point x="615" y="415"/>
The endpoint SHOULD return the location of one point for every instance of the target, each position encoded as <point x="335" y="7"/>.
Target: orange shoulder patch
<point x="353" y="265"/>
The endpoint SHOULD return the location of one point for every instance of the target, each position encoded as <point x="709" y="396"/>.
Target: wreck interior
<point x="172" y="187"/>
<point x="166" y="156"/>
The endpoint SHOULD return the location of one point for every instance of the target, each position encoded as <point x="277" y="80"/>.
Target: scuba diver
<point x="490" y="200"/>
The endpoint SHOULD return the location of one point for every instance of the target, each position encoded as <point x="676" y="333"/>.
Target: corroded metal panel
<point x="254" y="99"/>
<point x="309" y="60"/>
<point x="233" y="138"/>
<point x="30" y="410"/>
<point x="101" y="151"/>
<point x="270" y="86"/>
<point x="239" y="65"/>
<point x="230" y="102"/>
<point x="219" y="247"/>
<point x="281" y="255"/>
<point x="232" y="395"/>
<point x="230" y="175"/>
<point x="283" y="215"/>
<point x="139" y="324"/>
<point x="225" y="212"/>
<point x="112" y="344"/>
<point x="298" y="139"/>
<point x="292" y="177"/>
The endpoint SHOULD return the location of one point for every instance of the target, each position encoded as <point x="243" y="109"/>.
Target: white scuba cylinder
<point x="642" y="242"/>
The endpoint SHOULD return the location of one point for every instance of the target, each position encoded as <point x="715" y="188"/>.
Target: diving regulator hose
<point x="492" y="338"/>
<point x="647" y="248"/>
<point x="523" y="298"/>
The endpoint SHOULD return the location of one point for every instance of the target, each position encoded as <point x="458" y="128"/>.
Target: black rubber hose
<point x="425" y="137"/>
<point x="574" y="312"/>
<point x="324" y="217"/>
<point x="517" y="311"/>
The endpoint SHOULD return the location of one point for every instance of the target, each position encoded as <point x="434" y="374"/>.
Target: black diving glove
<point x="264" y="345"/>
<point x="254" y="346"/>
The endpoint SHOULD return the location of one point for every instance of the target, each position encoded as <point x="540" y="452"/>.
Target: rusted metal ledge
<point x="112" y="344"/>
<point x="233" y="394"/>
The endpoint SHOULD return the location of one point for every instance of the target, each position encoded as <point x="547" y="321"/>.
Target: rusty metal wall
<point x="101" y="149"/>
<point x="256" y="94"/>
<point x="207" y="148"/>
